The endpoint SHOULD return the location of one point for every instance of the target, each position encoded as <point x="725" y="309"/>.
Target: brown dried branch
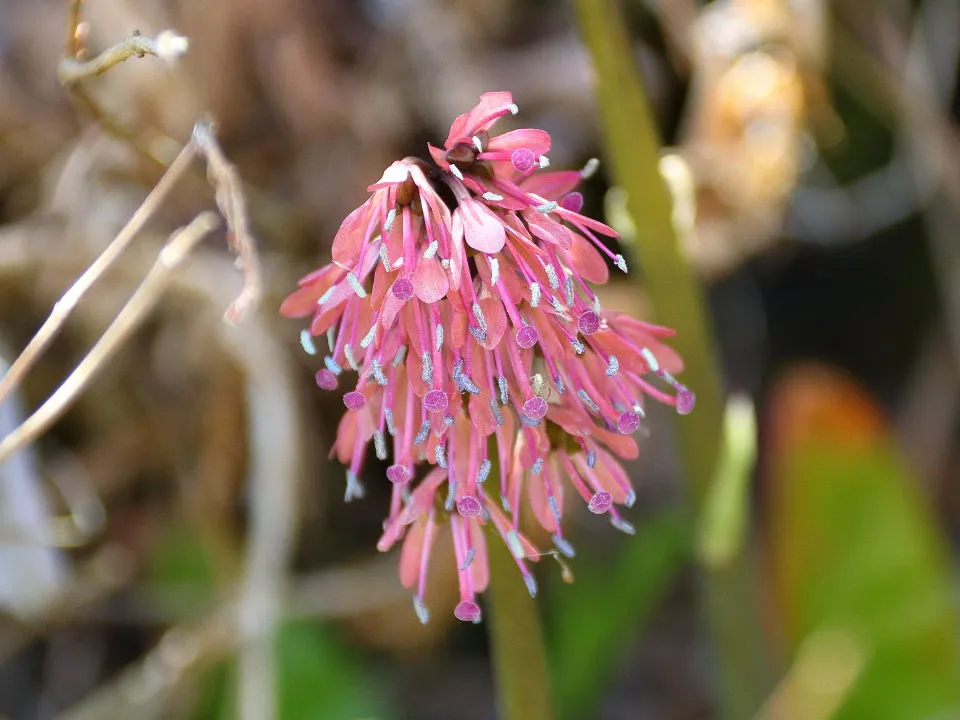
<point x="230" y="199"/>
<point x="128" y="320"/>
<point x="168" y="47"/>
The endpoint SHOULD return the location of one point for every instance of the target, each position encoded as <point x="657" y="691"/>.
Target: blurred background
<point x="813" y="157"/>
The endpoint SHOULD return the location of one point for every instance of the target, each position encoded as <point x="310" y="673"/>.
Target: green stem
<point x="516" y="642"/>
<point x="633" y="149"/>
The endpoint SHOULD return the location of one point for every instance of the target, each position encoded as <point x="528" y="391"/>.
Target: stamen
<point x="456" y="172"/>
<point x="478" y="314"/>
<point x="380" y="445"/>
<point x="354" y="488"/>
<point x="537" y="466"/>
<point x="422" y="434"/>
<point x="400" y="356"/>
<point x="492" y="197"/>
<point x="377" y="372"/>
<point x="554" y="508"/>
<point x="391" y="216"/>
<point x="514" y="544"/>
<point x="331" y="339"/>
<point x="326" y="380"/>
<point x="469" y="507"/>
<point x="504" y="390"/>
<point x="552" y="276"/>
<point x="512" y="107"/>
<point x="388" y="417"/>
<point x="332" y="365"/>
<point x="568" y="289"/>
<point x="534" y="294"/>
<point x="479" y="334"/>
<point x="591" y="458"/>
<point x="484" y="472"/>
<point x="354" y="400"/>
<point x="402" y="289"/>
<point x="578" y="347"/>
<point x="523" y="159"/>
<point x="623" y="526"/>
<point x="368" y="338"/>
<point x="471" y="553"/>
<point x="620" y="262"/>
<point x="385" y="258"/>
<point x="600" y="503"/>
<point x="572" y="201"/>
<point x="558" y="381"/>
<point x="590" y="168"/>
<point x="477" y="144"/>
<point x="531" y="583"/>
<point x="306" y="342"/>
<point x="497" y="415"/>
<point x="563" y="546"/>
<point x="651" y="359"/>
<point x="494" y="270"/>
<point x="527" y="337"/>
<point x="421" y="610"/>
<point x="614" y="367"/>
<point x="596" y="304"/>
<point x="431" y="250"/>
<point x="427" y="372"/>
<point x="587" y="400"/>
<point x="351" y="358"/>
<point x="438" y="337"/>
<point x="543" y="162"/>
<point x="451" y="496"/>
<point x="547" y="207"/>
<point x="399" y="474"/>
<point x="631" y="499"/>
<point x="326" y="295"/>
<point x="440" y="454"/>
<point x="356" y="286"/>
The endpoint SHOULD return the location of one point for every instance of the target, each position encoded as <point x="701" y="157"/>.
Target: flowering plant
<point x="460" y="295"/>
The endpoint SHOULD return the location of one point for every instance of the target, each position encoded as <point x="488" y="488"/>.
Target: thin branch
<point x="168" y="47"/>
<point x="73" y="29"/>
<point x="128" y="320"/>
<point x="62" y="309"/>
<point x="230" y="199"/>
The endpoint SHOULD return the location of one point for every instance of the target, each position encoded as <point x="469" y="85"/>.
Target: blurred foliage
<point x="610" y="603"/>
<point x="854" y="549"/>
<point x="317" y="674"/>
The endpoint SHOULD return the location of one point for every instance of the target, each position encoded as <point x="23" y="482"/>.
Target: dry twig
<point x="129" y="318"/>
<point x="168" y="47"/>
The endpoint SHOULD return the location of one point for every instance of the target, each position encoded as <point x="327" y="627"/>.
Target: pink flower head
<point x="461" y="297"/>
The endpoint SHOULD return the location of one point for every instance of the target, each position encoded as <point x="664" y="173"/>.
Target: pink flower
<point x="461" y="297"/>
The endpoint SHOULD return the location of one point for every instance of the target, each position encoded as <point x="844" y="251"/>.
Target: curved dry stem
<point x="128" y="320"/>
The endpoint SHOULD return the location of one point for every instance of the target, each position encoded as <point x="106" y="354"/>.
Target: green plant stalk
<point x="516" y="642"/>
<point x="633" y="151"/>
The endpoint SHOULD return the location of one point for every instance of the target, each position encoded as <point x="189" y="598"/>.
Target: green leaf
<point x="603" y="611"/>
<point x="317" y="678"/>
<point x="856" y="550"/>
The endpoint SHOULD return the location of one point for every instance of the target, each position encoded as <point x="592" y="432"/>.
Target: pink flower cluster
<point x="460" y="298"/>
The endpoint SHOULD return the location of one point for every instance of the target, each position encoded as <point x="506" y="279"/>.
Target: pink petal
<point x="393" y="175"/>
<point x="470" y="123"/>
<point x="537" y="141"/>
<point x="430" y="280"/>
<point x="349" y="238"/>
<point x="482" y="229"/>
<point x="587" y="260"/>
<point x="411" y="553"/>
<point x="551" y="185"/>
<point x="548" y="230"/>
<point x="480" y="567"/>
